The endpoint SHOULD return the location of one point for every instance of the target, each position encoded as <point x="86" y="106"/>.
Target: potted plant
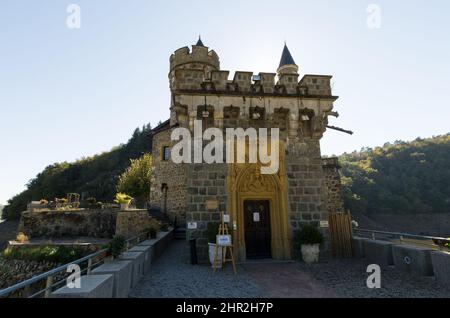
<point x="124" y="200"/>
<point x="213" y="230"/>
<point x="153" y="228"/>
<point x="116" y="246"/>
<point x="309" y="238"/>
<point x="164" y="227"/>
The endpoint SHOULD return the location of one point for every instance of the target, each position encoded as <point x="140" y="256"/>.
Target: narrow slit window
<point x="166" y="153"/>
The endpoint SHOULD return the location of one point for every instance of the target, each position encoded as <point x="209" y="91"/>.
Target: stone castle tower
<point x="265" y="210"/>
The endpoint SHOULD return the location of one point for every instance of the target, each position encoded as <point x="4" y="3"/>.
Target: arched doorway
<point x="248" y="191"/>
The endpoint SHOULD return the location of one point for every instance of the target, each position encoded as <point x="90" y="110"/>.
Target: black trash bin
<point x="194" y="260"/>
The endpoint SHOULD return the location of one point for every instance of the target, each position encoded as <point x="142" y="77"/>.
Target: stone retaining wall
<point x="131" y="223"/>
<point x="15" y="271"/>
<point x="84" y="223"/>
<point x="91" y="223"/>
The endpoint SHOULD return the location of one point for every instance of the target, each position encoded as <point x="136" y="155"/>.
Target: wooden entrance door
<point x="257" y="229"/>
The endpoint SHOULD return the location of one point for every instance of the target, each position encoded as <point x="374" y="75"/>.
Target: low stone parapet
<point x="413" y="259"/>
<point x="137" y="259"/>
<point x="159" y="244"/>
<point x="148" y="251"/>
<point x="91" y="286"/>
<point x="358" y="246"/>
<point x="441" y="267"/>
<point x="379" y="252"/>
<point x="122" y="273"/>
<point x="116" y="278"/>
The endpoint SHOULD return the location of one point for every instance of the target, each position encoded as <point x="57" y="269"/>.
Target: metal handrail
<point x="402" y="234"/>
<point x="49" y="274"/>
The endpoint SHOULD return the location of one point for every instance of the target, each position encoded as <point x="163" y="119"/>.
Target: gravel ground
<point x="171" y="277"/>
<point x="348" y="279"/>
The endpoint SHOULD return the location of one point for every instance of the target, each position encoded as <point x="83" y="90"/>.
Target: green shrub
<point x="309" y="234"/>
<point x="53" y="254"/>
<point x="152" y="229"/>
<point x="117" y="245"/>
<point x="213" y="230"/>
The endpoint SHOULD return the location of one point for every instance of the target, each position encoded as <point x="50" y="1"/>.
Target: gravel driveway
<point x="171" y="277"/>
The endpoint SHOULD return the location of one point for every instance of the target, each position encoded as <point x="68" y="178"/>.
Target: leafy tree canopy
<point x="400" y="178"/>
<point x="136" y="179"/>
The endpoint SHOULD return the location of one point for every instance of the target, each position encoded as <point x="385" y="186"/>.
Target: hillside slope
<point x="400" y="178"/>
<point x="97" y="176"/>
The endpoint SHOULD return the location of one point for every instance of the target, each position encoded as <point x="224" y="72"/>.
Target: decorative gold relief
<point x="245" y="182"/>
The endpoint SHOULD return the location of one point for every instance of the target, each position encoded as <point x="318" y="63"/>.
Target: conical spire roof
<point x="199" y="42"/>
<point x="286" y="57"/>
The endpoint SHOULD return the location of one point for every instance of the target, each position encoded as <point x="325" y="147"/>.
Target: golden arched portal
<point x="245" y="182"/>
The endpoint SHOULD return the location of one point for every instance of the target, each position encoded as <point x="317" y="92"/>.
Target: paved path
<point x="171" y="277"/>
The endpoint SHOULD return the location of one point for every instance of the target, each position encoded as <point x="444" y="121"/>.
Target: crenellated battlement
<point x="198" y="71"/>
<point x="199" y="55"/>
<point x="218" y="82"/>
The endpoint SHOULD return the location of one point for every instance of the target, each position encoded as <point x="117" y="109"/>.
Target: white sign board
<point x="223" y="240"/>
<point x="226" y="218"/>
<point x="324" y="224"/>
<point x="256" y="217"/>
<point x="192" y="225"/>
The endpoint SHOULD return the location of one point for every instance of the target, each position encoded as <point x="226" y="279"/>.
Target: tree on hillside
<point x="136" y="180"/>
<point x="400" y="178"/>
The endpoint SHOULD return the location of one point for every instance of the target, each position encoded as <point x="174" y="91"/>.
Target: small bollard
<point x="193" y="243"/>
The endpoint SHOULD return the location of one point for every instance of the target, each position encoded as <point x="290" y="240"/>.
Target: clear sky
<point x="67" y="93"/>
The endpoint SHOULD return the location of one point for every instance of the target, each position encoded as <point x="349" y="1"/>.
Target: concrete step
<point x="160" y="216"/>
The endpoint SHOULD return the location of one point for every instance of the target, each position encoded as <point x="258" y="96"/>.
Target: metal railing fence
<point x="56" y="278"/>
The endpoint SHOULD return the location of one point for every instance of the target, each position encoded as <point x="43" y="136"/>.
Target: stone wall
<point x="168" y="189"/>
<point x="88" y="223"/>
<point x="131" y="223"/>
<point x="15" y="271"/>
<point x="333" y="183"/>
<point x="306" y="182"/>
<point x="206" y="182"/>
<point x="91" y="223"/>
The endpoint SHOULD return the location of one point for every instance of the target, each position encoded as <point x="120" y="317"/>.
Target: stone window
<point x="206" y="115"/>
<point x="231" y="116"/>
<point x="166" y="153"/>
<point x="257" y="117"/>
<point x="306" y="116"/>
<point x="280" y="120"/>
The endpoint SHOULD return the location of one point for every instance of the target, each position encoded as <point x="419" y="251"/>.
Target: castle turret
<point x="191" y="68"/>
<point x="288" y="71"/>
